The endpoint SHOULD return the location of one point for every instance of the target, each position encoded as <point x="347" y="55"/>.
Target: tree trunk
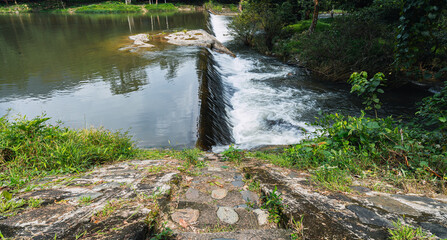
<point x="315" y="17"/>
<point x="240" y="6"/>
<point x="156" y="2"/>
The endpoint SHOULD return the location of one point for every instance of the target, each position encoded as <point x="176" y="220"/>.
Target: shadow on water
<point x="214" y="128"/>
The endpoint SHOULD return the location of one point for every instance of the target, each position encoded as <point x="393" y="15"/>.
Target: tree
<point x="315" y="17"/>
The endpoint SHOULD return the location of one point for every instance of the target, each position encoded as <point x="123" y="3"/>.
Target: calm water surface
<point x="70" y="67"/>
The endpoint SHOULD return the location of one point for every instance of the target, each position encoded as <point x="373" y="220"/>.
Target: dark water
<point x="70" y="67"/>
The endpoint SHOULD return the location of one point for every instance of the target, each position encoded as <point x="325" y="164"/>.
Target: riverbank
<point x="116" y="7"/>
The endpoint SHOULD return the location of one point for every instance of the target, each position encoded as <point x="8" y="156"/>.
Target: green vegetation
<point x="402" y="231"/>
<point x="273" y="203"/>
<point x="297" y="228"/>
<point x="109" y="7"/>
<point x="32" y="148"/>
<point x="332" y="178"/>
<point x="162" y="7"/>
<point x="399" y="38"/>
<point x="220" y="8"/>
<point x="9" y="206"/>
<point x="21" y="8"/>
<point x="233" y="154"/>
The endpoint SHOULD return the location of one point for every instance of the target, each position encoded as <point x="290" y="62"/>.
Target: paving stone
<point x="263" y="216"/>
<point x="367" y="216"/>
<point x="214" y="169"/>
<point x="393" y="206"/>
<point x="192" y="194"/>
<point x="436" y="229"/>
<point x="250" y="196"/>
<point x="360" y="189"/>
<point x="219" y="193"/>
<point x="238" y="177"/>
<point x="189" y="215"/>
<point x="227" y="215"/>
<point x="238" y="183"/>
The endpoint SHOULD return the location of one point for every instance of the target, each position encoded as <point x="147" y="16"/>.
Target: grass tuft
<point x="32" y="148"/>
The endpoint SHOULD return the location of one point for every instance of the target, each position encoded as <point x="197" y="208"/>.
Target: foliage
<point x="108" y="7"/>
<point x="217" y="7"/>
<point x="233" y="154"/>
<point x="36" y="147"/>
<point x="351" y="43"/>
<point x="303" y="25"/>
<point x="15" y="8"/>
<point x="273" y="203"/>
<point x="368" y="89"/>
<point x="419" y="42"/>
<point x="191" y="157"/>
<point x="433" y="110"/>
<point x="332" y="178"/>
<point x="297" y="228"/>
<point x="402" y="231"/>
<point x="165" y="234"/>
<point x="245" y="25"/>
<point x="162" y="7"/>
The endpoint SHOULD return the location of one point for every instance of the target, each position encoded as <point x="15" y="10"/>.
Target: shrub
<point x="38" y="147"/>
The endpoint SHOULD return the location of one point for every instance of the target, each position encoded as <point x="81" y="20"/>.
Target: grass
<point x="273" y="203"/>
<point x="109" y="7"/>
<point x="35" y="148"/>
<point x="220" y="8"/>
<point x="402" y="231"/>
<point x="162" y="7"/>
<point x="21" y="8"/>
<point x="322" y="25"/>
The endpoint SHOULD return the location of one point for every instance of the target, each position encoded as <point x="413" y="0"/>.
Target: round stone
<point x="219" y="193"/>
<point x="227" y="215"/>
<point x="263" y="216"/>
<point x="189" y="215"/>
<point x="192" y="194"/>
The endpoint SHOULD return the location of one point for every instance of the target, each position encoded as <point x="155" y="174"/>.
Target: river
<point x="70" y="68"/>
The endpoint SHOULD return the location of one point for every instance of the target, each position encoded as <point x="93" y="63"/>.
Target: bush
<point x="162" y="7"/>
<point x="36" y="147"/>
<point x="108" y="7"/>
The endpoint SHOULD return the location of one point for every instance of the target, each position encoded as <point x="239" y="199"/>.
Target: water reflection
<point x="70" y="68"/>
<point x="43" y="53"/>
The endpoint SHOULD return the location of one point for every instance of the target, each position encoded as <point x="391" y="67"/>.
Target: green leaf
<point x="442" y="119"/>
<point x="6" y="195"/>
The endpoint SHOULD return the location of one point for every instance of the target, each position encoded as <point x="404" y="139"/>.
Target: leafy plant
<point x="85" y="200"/>
<point x="273" y="203"/>
<point x="402" y="231"/>
<point x="165" y="234"/>
<point x="297" y="228"/>
<point x="433" y="110"/>
<point x="368" y="89"/>
<point x="332" y="178"/>
<point x="233" y="154"/>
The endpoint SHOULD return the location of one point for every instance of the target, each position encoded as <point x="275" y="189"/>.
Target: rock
<point x="250" y="196"/>
<point x="238" y="183"/>
<point x="436" y="229"/>
<point x="189" y="215"/>
<point x="369" y="217"/>
<point x="393" y="206"/>
<point x="219" y="193"/>
<point x="237" y="177"/>
<point x="263" y="216"/>
<point x="360" y="189"/>
<point x="192" y="194"/>
<point x="198" y="38"/>
<point x="227" y="215"/>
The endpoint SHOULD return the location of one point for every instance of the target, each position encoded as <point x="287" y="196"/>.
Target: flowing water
<point x="70" y="67"/>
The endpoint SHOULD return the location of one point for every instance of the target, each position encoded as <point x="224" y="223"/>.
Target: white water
<point x="260" y="114"/>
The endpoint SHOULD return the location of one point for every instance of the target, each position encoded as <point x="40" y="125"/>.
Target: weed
<point x="219" y="228"/>
<point x="162" y="7"/>
<point x="297" y="228"/>
<point x="39" y="148"/>
<point x="402" y="231"/>
<point x="233" y="154"/>
<point x="273" y="203"/>
<point x="34" y="202"/>
<point x="165" y="233"/>
<point x="85" y="200"/>
<point x="254" y="186"/>
<point x="332" y="178"/>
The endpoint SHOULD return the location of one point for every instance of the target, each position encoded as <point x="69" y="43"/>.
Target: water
<point x="69" y="67"/>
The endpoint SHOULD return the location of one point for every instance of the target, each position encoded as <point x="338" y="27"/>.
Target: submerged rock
<point x="186" y="38"/>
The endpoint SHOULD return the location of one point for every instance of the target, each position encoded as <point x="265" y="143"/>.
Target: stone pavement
<point x="212" y="200"/>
